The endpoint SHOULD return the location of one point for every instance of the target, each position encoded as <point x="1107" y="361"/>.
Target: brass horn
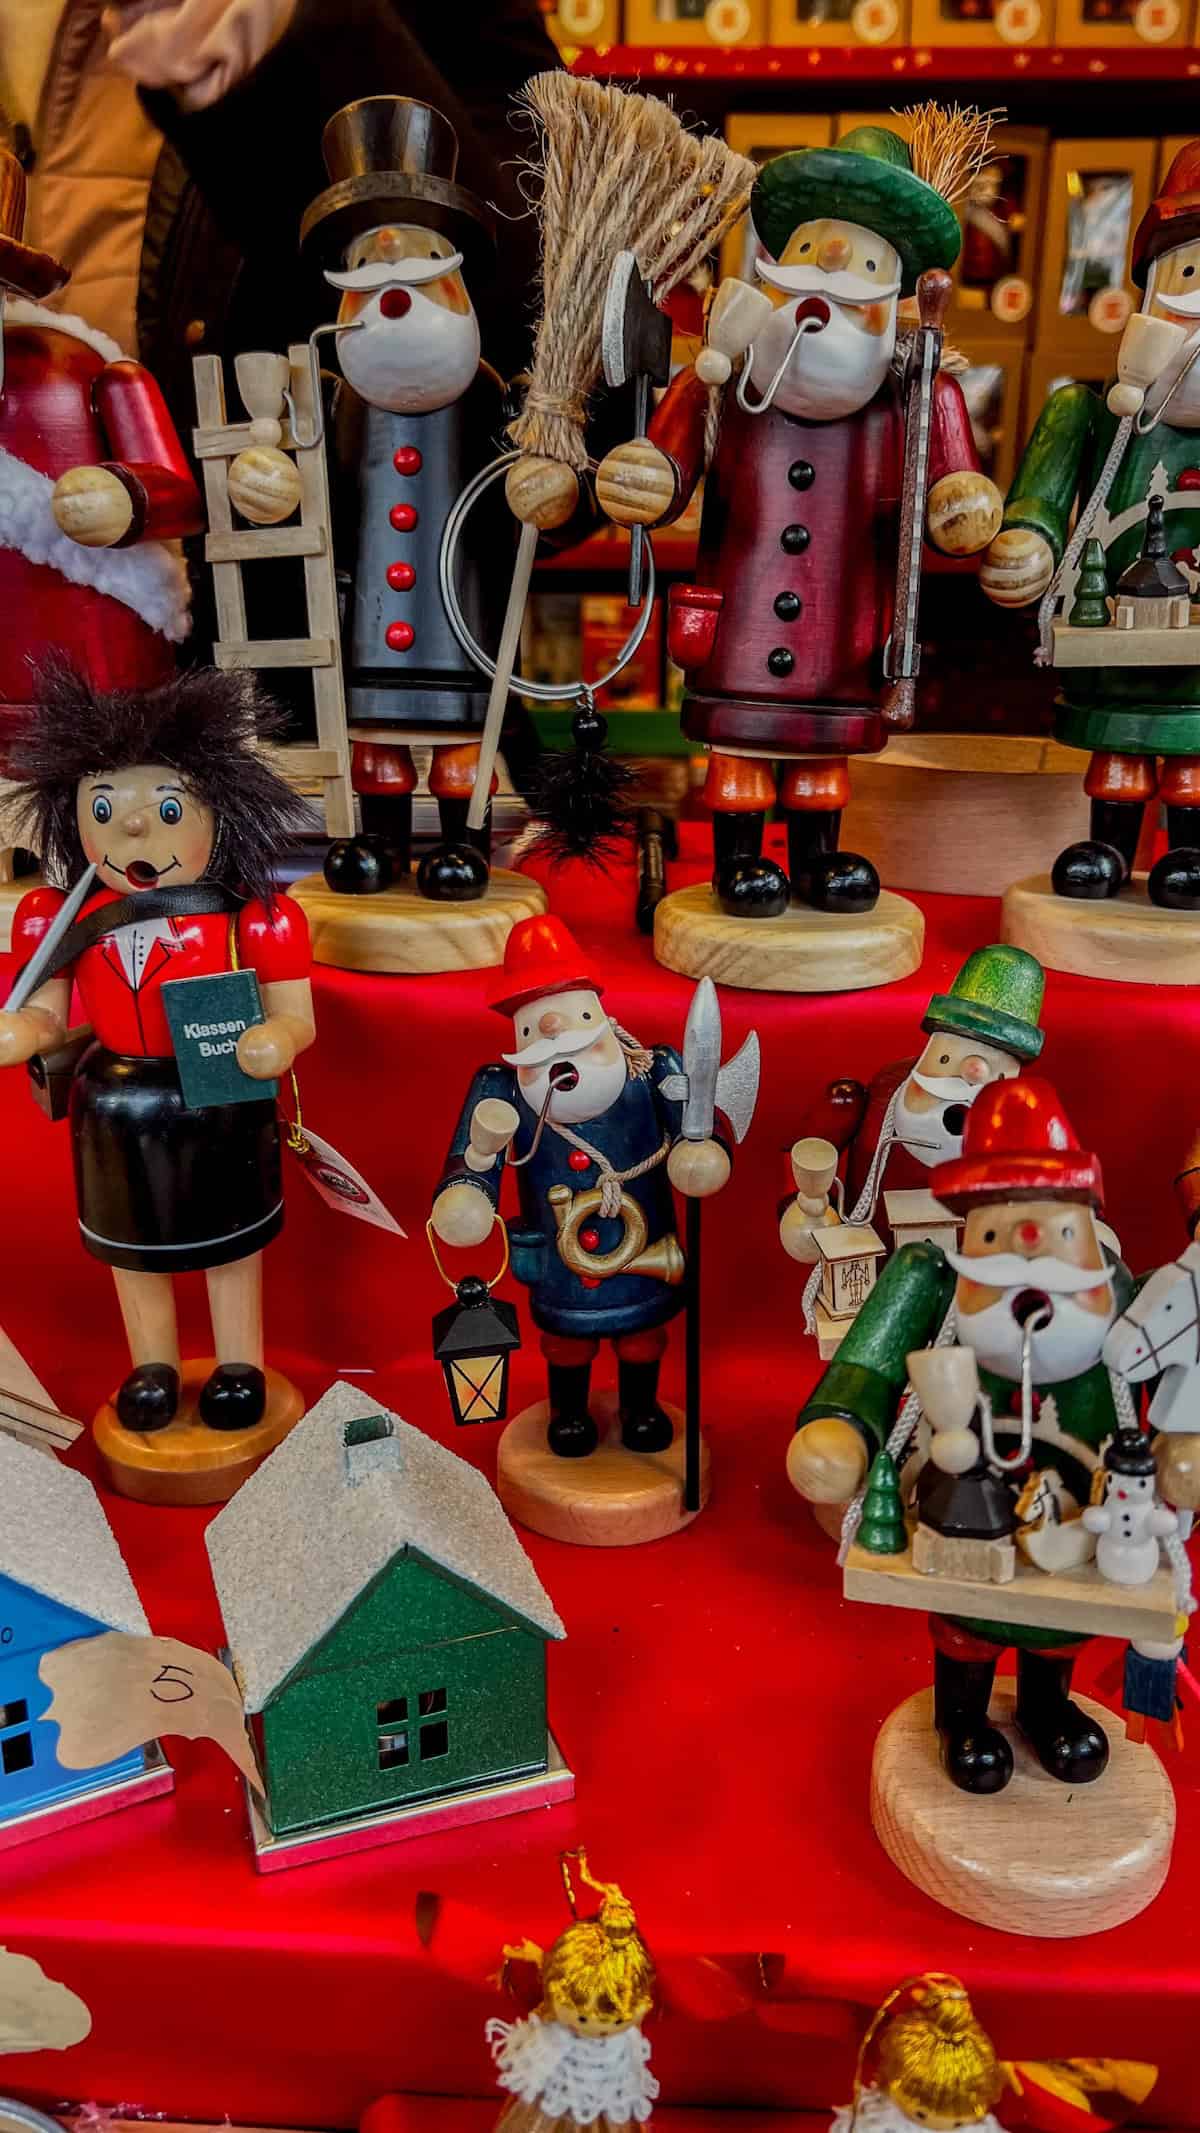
<point x="663" y="1261"/>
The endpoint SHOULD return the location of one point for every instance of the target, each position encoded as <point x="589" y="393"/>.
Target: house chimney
<point x="371" y="1447"/>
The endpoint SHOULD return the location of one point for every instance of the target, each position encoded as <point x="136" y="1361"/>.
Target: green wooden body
<point x="471" y="1678"/>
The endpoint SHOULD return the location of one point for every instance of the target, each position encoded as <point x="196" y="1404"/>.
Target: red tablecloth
<point x="716" y="1696"/>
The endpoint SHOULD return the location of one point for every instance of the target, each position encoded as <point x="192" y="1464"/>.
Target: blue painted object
<point x="31" y="1775"/>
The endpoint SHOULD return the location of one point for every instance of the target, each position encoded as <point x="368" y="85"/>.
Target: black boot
<point x="822" y="876"/>
<point x="747" y="885"/>
<point x="644" y="1426"/>
<point x="1100" y="865"/>
<point x="975" y="1754"/>
<point x="235" y="1397"/>
<point x="362" y="866"/>
<point x="1174" y="882"/>
<point x="456" y="871"/>
<point x="570" y="1431"/>
<point x="149" y="1397"/>
<point x="1066" y="1742"/>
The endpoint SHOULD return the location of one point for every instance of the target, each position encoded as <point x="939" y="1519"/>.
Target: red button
<point x="590" y="1239"/>
<point x="589" y="1281"/>
<point x="399" y="636"/>
<point x="407" y="459"/>
<point x="403" y="517"/>
<point x="1189" y="479"/>
<point x="577" y="1160"/>
<point x="401" y="577"/>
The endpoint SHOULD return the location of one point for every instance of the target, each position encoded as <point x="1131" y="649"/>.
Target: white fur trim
<point x="567" y="2076"/>
<point x="149" y="578"/>
<point x="19" y="311"/>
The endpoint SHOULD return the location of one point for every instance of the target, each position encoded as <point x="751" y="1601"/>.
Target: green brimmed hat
<point x="996" y="997"/>
<point x="868" y="177"/>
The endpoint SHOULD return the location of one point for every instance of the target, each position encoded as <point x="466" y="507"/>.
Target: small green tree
<point x="1089" y="610"/>
<point x="882" y="1531"/>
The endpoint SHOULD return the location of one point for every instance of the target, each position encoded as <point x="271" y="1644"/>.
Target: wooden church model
<point x="388" y="1635"/>
<point x="62" y="1578"/>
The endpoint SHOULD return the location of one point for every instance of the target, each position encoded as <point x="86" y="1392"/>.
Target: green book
<point x="206" y="1018"/>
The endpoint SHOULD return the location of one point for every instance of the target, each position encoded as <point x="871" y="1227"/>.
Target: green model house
<point x="388" y="1633"/>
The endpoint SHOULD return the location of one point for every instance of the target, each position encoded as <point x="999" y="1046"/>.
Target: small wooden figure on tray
<point x="160" y="814"/>
<point x="580" y="2058"/>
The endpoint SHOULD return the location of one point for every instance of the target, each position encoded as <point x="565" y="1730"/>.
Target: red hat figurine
<point x="541" y="955"/>
<point x="1172" y="219"/>
<point x="1018" y="1145"/>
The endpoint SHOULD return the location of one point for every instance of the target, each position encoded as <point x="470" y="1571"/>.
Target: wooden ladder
<point x="325" y="768"/>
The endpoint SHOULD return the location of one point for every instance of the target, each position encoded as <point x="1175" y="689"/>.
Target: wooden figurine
<point x="62" y="1578"/>
<point x="787" y="635"/>
<point x="1128" y="1520"/>
<point x="413" y="1648"/>
<point x="924" y="2063"/>
<point x="847" y="1253"/>
<point x="580" y="2059"/>
<point x="600" y="1127"/>
<point x="94" y="483"/>
<point x="161" y="806"/>
<point x="1003" y="1343"/>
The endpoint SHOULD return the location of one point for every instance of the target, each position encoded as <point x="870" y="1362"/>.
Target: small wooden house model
<point x="388" y="1634"/>
<point x="916" y="1217"/>
<point x="848" y="1254"/>
<point x="62" y="1578"/>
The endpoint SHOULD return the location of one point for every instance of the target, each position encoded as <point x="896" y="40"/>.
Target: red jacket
<point x="133" y="1021"/>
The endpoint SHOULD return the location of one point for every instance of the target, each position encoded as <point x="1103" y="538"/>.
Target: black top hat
<point x="392" y="159"/>
<point x="1130" y="1453"/>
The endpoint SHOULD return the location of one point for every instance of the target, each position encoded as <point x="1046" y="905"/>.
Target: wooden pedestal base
<point x="804" y="951"/>
<point x="188" y="1463"/>
<point x="961" y="813"/>
<point x="1125" y="938"/>
<point x="403" y="932"/>
<point x="614" y="1499"/>
<point x="1041" y="1858"/>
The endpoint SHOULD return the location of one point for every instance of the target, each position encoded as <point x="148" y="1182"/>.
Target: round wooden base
<point x="403" y="932"/>
<point x="1041" y="1858"/>
<point x="1126" y="938"/>
<point x="188" y="1463"/>
<point x="961" y="813"/>
<point x="804" y="951"/>
<point x="614" y="1499"/>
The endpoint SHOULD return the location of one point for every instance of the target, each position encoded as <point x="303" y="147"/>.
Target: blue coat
<point x="629" y="1131"/>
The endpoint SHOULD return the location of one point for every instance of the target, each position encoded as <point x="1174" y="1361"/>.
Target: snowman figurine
<point x="1130" y="1521"/>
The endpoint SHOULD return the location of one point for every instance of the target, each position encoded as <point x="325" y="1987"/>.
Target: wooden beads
<point x="264" y="485"/>
<point x="92" y="506"/>
<point x="965" y="512"/>
<point x="635" y="485"/>
<point x="1017" y="568"/>
<point x="541" y="492"/>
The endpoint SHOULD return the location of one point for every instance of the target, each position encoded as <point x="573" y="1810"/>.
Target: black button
<point x="794" y="539"/>
<point x="787" y="606"/>
<point x="781" y="661"/>
<point x="802" y="474"/>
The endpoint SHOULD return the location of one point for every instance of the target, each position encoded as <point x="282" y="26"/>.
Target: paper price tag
<point x="37" y="2014"/>
<point x="340" y="1185"/>
<point x="117" y="1692"/>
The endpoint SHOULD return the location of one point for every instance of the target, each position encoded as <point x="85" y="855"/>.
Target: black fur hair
<point x="203" y="724"/>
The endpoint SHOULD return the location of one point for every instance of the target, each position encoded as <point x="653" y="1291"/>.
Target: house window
<point x="395" y="1734"/>
<point x="391" y="1719"/>
<point x="16" y="1739"/>
<point x="433" y="1729"/>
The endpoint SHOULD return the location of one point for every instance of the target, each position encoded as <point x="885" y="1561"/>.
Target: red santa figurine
<point x="93" y="483"/>
<point x="781" y="638"/>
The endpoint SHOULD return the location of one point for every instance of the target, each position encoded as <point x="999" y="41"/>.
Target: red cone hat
<point x="541" y="955"/>
<point x="1174" y="218"/>
<point x="1018" y="1145"/>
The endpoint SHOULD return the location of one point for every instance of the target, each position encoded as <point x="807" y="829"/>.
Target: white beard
<point x="410" y="365"/>
<point x="927" y="1126"/>
<point x="567" y="2076"/>
<point x="1069" y="1345"/>
<point x="600" y="1083"/>
<point x="831" y="373"/>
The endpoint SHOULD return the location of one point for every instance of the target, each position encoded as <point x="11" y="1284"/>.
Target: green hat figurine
<point x="902" y="191"/>
<point x="996" y="997"/>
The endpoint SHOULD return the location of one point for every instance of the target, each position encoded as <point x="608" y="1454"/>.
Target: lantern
<point x="473" y="1339"/>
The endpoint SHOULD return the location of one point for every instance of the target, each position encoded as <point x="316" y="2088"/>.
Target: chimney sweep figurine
<point x="580" y="2059"/>
<point x="93" y="481"/>
<point x="600" y="1127"/>
<point x="1126" y="464"/>
<point x="163" y="804"/>
<point x="416" y="415"/>
<point x="839" y="446"/>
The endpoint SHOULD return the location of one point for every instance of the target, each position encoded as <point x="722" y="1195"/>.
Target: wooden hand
<point x="698" y="1168"/>
<point x="92" y="506"/>
<point x="462" y="1215"/>
<point x="1179" y="1469"/>
<point x="963" y="513"/>
<point x="1017" y="567"/>
<point x="635" y="484"/>
<point x="267" y="1049"/>
<point x="27" y="1031"/>
<point x="827" y="1460"/>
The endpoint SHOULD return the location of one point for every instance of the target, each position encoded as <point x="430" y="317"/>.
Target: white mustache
<point x="395" y="273"/>
<point x="546" y="1048"/>
<point x="1179" y="306"/>
<point x="948" y="1088"/>
<point x="1007" y="1270"/>
<point x="841" y="286"/>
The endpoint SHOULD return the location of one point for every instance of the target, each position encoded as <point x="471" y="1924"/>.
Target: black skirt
<point x="163" y="1189"/>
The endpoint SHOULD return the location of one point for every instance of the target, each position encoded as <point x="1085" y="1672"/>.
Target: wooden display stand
<point x="1079" y="1602"/>
<point x="1135" y="25"/>
<point x="961" y="813"/>
<point x="401" y="931"/>
<point x="188" y="1463"/>
<point x="1091" y="333"/>
<point x="671" y="23"/>
<point x="1040" y="1858"/>
<point x="999" y="22"/>
<point x="803" y="951"/>
<point x="612" y="1499"/>
<point x="811" y="22"/>
<point x="576" y="23"/>
<point x="1125" y="938"/>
